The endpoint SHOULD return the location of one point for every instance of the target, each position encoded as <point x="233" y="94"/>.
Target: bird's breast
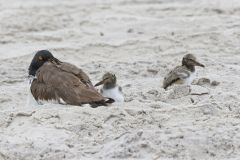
<point x="31" y="101"/>
<point x="190" y="78"/>
<point x="113" y="93"/>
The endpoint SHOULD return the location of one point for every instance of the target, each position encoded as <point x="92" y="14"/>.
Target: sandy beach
<point x="140" y="41"/>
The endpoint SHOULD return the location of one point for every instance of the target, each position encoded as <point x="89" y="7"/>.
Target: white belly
<point x="113" y="93"/>
<point x="189" y="80"/>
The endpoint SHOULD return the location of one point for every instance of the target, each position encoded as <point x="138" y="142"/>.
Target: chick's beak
<point x="198" y="64"/>
<point x="100" y="83"/>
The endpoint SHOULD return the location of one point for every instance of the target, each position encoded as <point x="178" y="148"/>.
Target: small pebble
<point x="130" y="30"/>
<point x="215" y="83"/>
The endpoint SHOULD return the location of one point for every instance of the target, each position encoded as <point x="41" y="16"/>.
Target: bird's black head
<point x="39" y="59"/>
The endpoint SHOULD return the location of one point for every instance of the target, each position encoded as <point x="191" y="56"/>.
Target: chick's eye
<point x="192" y="60"/>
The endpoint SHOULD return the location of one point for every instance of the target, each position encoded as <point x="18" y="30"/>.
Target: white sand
<point x="139" y="40"/>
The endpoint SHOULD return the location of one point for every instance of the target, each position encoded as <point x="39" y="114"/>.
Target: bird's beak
<point x="55" y="61"/>
<point x="100" y="83"/>
<point x="196" y="63"/>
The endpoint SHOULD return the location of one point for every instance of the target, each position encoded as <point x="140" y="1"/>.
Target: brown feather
<point x="67" y="67"/>
<point x="66" y="82"/>
<point x="176" y="75"/>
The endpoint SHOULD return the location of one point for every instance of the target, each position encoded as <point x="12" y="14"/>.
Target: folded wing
<point x="67" y="67"/>
<point x="178" y="73"/>
<point x="64" y="82"/>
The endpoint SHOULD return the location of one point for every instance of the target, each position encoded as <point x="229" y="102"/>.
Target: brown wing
<point x="70" y="68"/>
<point x="56" y="83"/>
<point x="176" y="74"/>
